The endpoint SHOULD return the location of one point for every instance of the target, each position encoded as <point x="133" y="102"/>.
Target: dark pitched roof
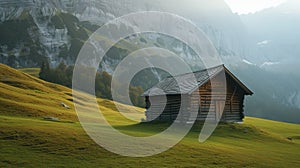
<point x="172" y="85"/>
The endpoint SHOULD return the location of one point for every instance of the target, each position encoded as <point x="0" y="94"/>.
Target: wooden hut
<point x="164" y="100"/>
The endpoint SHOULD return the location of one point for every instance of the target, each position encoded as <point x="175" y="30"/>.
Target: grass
<point x="26" y="140"/>
<point x="31" y="71"/>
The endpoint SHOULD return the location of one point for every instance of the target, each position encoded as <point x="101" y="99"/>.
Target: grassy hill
<point x="31" y="71"/>
<point x="27" y="140"/>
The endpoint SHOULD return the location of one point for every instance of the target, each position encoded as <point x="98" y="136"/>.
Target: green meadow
<point x="28" y="140"/>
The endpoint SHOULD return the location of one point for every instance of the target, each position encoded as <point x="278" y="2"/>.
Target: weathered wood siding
<point x="233" y="110"/>
<point x="158" y="111"/>
<point x="209" y="99"/>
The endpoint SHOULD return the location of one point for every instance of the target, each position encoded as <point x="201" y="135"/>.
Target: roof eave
<point x="246" y="89"/>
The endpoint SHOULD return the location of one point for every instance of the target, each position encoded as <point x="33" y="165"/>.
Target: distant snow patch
<point x="247" y="62"/>
<point x="263" y="43"/>
<point x="269" y="64"/>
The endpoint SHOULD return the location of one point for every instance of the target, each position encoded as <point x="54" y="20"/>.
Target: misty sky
<point x="252" y="6"/>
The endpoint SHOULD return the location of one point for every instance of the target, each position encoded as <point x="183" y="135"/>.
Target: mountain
<point x="56" y="29"/>
<point x="273" y="50"/>
<point x="261" y="48"/>
<point x="276" y="94"/>
<point x="273" y="36"/>
<point x="29" y="40"/>
<point x="36" y="130"/>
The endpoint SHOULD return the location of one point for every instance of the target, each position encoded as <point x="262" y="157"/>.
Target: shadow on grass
<point x="233" y="130"/>
<point x="155" y="127"/>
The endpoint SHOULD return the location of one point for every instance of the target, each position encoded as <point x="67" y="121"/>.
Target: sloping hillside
<point x="31" y="71"/>
<point x="27" y="140"/>
<point x="24" y="95"/>
<point x="27" y="96"/>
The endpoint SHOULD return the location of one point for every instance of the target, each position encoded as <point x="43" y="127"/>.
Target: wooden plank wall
<point x="234" y="97"/>
<point x="170" y="111"/>
<point x="233" y="105"/>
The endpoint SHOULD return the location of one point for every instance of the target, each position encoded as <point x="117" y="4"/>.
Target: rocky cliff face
<point x="55" y="29"/>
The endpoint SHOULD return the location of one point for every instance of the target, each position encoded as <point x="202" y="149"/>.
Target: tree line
<point x="62" y="74"/>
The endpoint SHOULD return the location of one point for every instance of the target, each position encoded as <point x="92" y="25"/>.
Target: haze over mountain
<point x="56" y="34"/>
<point x="261" y="48"/>
<point x="273" y="46"/>
<point x="274" y="34"/>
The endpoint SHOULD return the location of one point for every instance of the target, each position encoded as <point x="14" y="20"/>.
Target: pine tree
<point x="45" y="71"/>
